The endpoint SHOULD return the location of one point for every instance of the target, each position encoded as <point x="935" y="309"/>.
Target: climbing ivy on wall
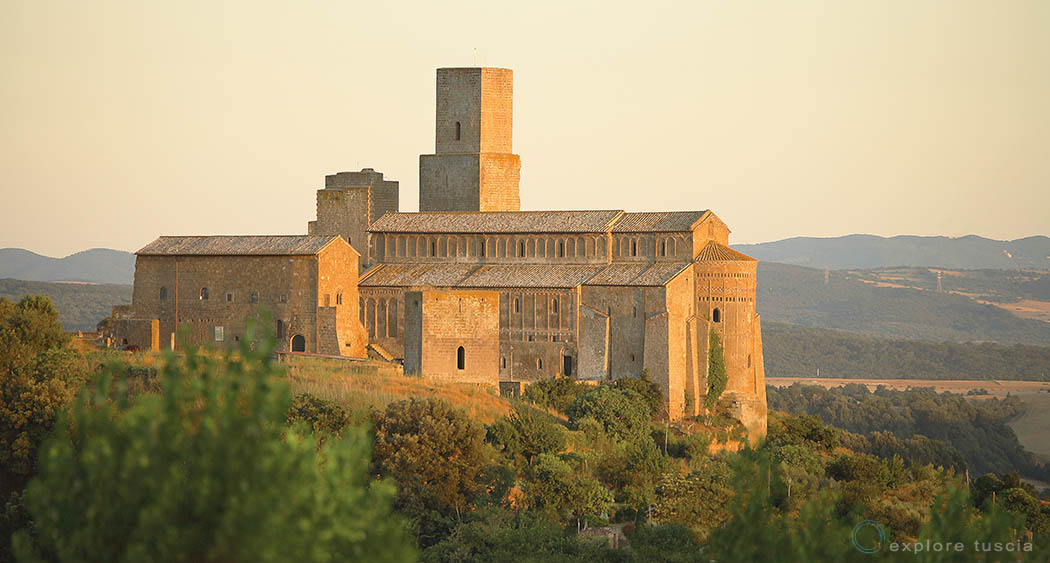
<point x="716" y="370"/>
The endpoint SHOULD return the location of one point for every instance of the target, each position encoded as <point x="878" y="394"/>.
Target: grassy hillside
<point x="797" y="351"/>
<point x="80" y="306"/>
<point x="98" y="265"/>
<point x="868" y="251"/>
<point x="799" y="295"/>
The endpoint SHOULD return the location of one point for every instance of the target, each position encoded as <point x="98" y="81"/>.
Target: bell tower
<point x="473" y="168"/>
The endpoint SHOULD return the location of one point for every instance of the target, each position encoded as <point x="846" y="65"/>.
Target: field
<point x="1033" y="426"/>
<point x="995" y="387"/>
<point x="361" y="386"/>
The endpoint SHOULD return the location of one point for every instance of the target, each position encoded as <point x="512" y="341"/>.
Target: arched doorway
<point x="298" y="343"/>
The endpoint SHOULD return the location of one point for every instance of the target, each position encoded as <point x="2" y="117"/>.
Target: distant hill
<point x="80" y="305"/>
<point x="98" y="265"/>
<point x="869" y="251"/>
<point x="850" y="302"/>
<point x="798" y="351"/>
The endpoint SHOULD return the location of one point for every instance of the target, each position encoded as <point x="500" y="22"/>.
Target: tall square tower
<point x="473" y="168"/>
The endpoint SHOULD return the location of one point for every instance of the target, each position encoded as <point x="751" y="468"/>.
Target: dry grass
<point x="362" y="386"/>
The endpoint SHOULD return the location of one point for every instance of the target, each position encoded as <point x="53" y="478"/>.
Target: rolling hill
<point x="869" y="251"/>
<point x="98" y="265"/>
<point x="850" y="302"/>
<point x="80" y="305"/>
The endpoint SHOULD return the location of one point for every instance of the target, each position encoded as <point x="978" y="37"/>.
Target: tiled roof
<point x="657" y="221"/>
<point x="520" y="275"/>
<point x="474" y="275"/>
<point x="638" y="274"/>
<point x="290" y="245"/>
<point x="497" y="222"/>
<point x="718" y="253"/>
<point x="530" y="275"/>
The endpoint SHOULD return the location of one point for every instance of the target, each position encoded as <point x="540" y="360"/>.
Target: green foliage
<point x="624" y="415"/>
<point x="795" y="351"/>
<point x="558" y="486"/>
<point x="325" y="417"/>
<point x="670" y="543"/>
<point x="38" y="378"/>
<point x="931" y="426"/>
<point x="434" y="451"/>
<point x="527" y="432"/>
<point x="510" y="538"/>
<point x="634" y="470"/>
<point x="716" y="371"/>
<point x="557" y="393"/>
<point x="1014" y="496"/>
<point x="27" y="328"/>
<point x="79" y="305"/>
<point x="648" y="390"/>
<point x="697" y="501"/>
<point x="206" y="471"/>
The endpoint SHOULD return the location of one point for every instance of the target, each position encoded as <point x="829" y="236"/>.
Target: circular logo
<point x="868" y="541"/>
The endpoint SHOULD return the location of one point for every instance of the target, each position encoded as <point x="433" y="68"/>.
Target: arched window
<point x="255" y="297"/>
<point x="561" y="249"/>
<point x="280" y="329"/>
<point x="663" y="248"/>
<point x="716" y="315"/>
<point x="433" y="248"/>
<point x="458" y="130"/>
<point x="517" y="305"/>
<point x="521" y="249"/>
<point x="204" y="294"/>
<point x="634" y="248"/>
<point x="461" y="360"/>
<point x="481" y="249"/>
<point x="503" y="363"/>
<point x="554" y="306"/>
<point x="539" y="363"/>
<point x="163" y="293"/>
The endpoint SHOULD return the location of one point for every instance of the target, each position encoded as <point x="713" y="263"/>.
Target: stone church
<point x="472" y="288"/>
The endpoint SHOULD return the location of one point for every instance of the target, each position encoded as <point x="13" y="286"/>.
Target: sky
<point x="123" y="121"/>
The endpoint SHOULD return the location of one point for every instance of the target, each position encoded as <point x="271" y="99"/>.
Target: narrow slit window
<point x="163" y="293"/>
<point x="460" y="358"/>
<point x="204" y="294"/>
<point x="459" y="130"/>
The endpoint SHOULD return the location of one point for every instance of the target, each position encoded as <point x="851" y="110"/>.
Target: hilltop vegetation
<point x="798" y="351"/>
<point x="80" y="306"/>
<point x="868" y="251"/>
<point x="214" y="456"/>
<point x="798" y="295"/>
<point x="974" y="429"/>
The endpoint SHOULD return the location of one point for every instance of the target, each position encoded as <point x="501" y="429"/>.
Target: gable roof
<point x="718" y="253"/>
<point x="653" y="275"/>
<point x="497" y="222"/>
<point x="658" y="221"/>
<point x="262" y="245"/>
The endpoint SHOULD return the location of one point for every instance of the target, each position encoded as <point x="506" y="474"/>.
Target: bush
<point x="624" y="415"/>
<point x="205" y="471"/>
<point x="528" y="433"/>
<point x="555" y="393"/>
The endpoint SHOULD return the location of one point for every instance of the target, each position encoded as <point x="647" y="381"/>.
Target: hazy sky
<point x="122" y="121"/>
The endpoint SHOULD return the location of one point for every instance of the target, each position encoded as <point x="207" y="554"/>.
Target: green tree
<point x="624" y="415"/>
<point x="716" y="371"/>
<point x="434" y="451"/>
<point x="206" y="471"/>
<point x="39" y="376"/>
<point x="558" y="486"/>
<point x="645" y="388"/>
<point x="325" y="417"/>
<point x="527" y="432"/>
<point x="557" y="393"/>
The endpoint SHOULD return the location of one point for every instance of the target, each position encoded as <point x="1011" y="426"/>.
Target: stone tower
<point x="473" y="168"/>
<point x="349" y="203"/>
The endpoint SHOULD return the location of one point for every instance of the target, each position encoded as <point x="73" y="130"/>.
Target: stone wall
<point x="452" y="336"/>
<point x="143" y="334"/>
<point x="216" y="296"/>
<point x="350" y="202"/>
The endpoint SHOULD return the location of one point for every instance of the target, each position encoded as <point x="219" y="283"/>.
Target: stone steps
<point x="381" y="352"/>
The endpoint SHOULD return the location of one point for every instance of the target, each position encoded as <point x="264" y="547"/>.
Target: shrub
<point x="206" y="471"/>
